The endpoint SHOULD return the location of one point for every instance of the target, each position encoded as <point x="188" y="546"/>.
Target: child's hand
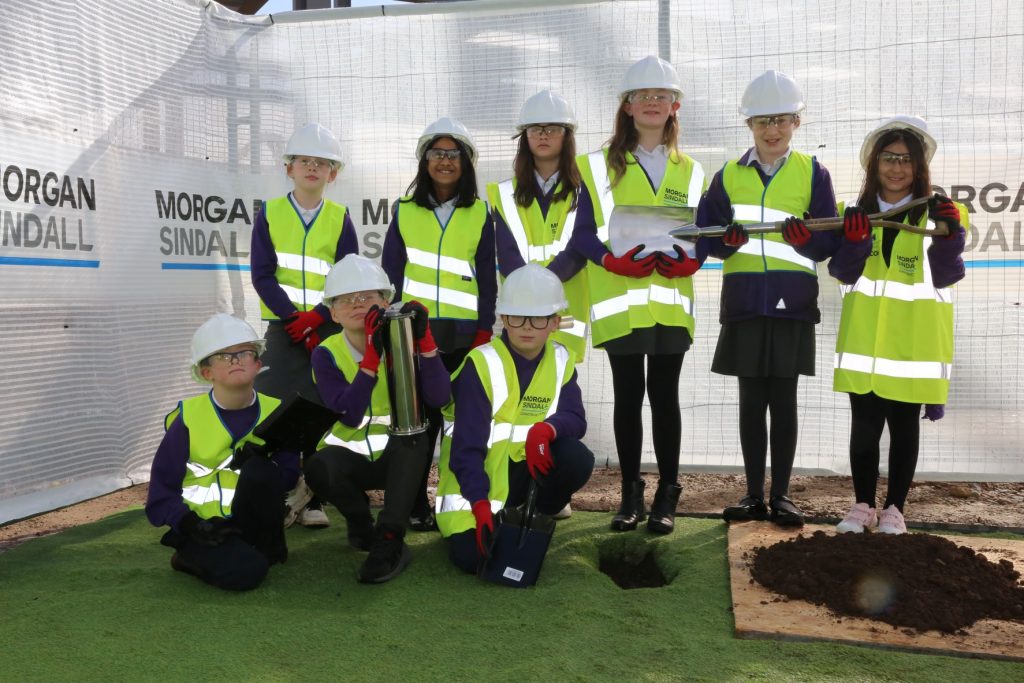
<point x="301" y="324"/>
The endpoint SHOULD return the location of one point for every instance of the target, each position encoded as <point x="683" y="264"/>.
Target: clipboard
<point x="297" y="424"/>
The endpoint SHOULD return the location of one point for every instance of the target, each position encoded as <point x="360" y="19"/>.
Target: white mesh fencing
<point x="107" y="108"/>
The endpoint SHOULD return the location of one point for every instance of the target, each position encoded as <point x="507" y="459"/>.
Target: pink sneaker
<point x="859" y="518"/>
<point x="891" y="521"/>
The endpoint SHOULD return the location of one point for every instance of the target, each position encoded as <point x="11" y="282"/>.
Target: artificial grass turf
<point x="100" y="602"/>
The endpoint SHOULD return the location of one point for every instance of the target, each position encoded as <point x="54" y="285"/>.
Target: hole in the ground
<point x="632" y="567"/>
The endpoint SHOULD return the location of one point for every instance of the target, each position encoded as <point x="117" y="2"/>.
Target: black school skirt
<point x="765" y="347"/>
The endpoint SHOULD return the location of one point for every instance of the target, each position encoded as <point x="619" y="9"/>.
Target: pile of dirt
<point x="915" y="581"/>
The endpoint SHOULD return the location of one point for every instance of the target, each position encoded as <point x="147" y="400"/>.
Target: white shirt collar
<point x="213" y="398"/>
<point x="659" y="151"/>
<point x="307" y="214"/>
<point x="884" y="206"/>
<point x="772" y="168"/>
<point x="546" y="185"/>
<point x="450" y="203"/>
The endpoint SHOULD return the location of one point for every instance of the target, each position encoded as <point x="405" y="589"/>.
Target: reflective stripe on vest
<point x="541" y="253"/>
<point x="788" y="193"/>
<point x="510" y="424"/>
<point x="370" y="437"/>
<point x="896" y="328"/>
<point x="619" y="304"/>
<point x="304" y="255"/>
<point x="209" y="484"/>
<point x="439" y="269"/>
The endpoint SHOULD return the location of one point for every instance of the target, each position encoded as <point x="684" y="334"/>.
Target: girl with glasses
<point x="642" y="305"/>
<point x="769" y="286"/>
<point x="894" y="351"/>
<point x="439" y="250"/>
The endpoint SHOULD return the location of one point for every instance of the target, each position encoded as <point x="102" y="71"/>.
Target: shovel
<point x="521" y="539"/>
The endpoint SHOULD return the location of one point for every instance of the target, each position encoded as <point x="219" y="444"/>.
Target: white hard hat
<point x="355" y="273"/>
<point x="651" y="73"/>
<point x="447" y="128"/>
<point x="222" y="331"/>
<point x="913" y="124"/>
<point x="313" y="140"/>
<point x="546" y="107"/>
<point x="531" y="290"/>
<point x="773" y="92"/>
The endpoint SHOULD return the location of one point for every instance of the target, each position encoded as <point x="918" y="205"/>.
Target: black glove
<point x="735" y="236"/>
<point x="209" y="532"/>
<point x="943" y="210"/>
<point x="246" y="451"/>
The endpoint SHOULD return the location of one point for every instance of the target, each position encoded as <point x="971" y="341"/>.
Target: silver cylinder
<point x="407" y="415"/>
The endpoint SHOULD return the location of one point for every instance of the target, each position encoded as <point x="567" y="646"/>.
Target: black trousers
<point x="451" y="362"/>
<point x="870" y="414"/>
<point x="662" y="387"/>
<point x="573" y="464"/>
<point x="343" y="477"/>
<point x="758" y="396"/>
<point x="241" y="562"/>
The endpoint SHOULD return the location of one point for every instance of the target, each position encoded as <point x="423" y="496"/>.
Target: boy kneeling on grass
<point x="359" y="454"/>
<point x="516" y="413"/>
<point x="227" y="523"/>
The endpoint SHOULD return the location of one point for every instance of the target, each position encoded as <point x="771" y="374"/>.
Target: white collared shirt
<point x="443" y="210"/>
<point x="546" y="185"/>
<point x="213" y="397"/>
<point x="653" y="162"/>
<point x="772" y="168"/>
<point x="307" y="214"/>
<point x="884" y="206"/>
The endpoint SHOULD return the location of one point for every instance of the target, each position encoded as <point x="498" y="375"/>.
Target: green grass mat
<point x="100" y="602"/>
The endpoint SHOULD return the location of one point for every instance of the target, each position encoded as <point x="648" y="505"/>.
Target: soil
<point x="917" y="581"/>
<point x="953" y="505"/>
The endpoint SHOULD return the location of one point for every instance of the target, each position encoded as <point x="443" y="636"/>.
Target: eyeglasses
<point x="644" y="98"/>
<point x="537" y="322"/>
<point x="537" y="131"/>
<point x="892" y="159"/>
<point x="779" y="121"/>
<point x="438" y="154"/>
<point x="356" y="299"/>
<point x="231" y="357"/>
<point x="311" y="163"/>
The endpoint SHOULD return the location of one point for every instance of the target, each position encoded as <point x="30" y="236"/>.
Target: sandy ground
<point x="953" y="505"/>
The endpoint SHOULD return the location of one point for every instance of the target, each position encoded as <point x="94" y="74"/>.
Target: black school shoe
<point x="749" y="508"/>
<point x="785" y="513"/>
<point x="389" y="556"/>
<point x="422" y="519"/>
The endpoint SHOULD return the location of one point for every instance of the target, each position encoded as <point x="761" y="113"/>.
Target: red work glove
<point x="681" y="266"/>
<point x="301" y="323"/>
<point x="312" y="341"/>
<point x="420" y="326"/>
<point x="484" y="526"/>
<point x="943" y="210"/>
<point x="538" y="449"/>
<point x="735" y="236"/>
<point x="373" y="326"/>
<point x="628" y="265"/>
<point x="795" y="232"/>
<point x="856" y="224"/>
<point x="482" y="337"/>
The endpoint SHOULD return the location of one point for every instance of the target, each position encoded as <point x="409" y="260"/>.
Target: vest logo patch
<point x="674" y="197"/>
<point x="907" y="264"/>
<point x="534" y="405"/>
<point x="781" y="306"/>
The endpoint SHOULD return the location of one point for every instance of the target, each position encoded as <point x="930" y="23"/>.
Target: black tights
<point x="870" y="413"/>
<point x="662" y="386"/>
<point x="758" y="395"/>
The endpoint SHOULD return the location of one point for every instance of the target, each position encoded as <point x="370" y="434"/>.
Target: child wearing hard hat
<point x="642" y="305"/>
<point x="535" y="212"/>
<point x="439" y="249"/>
<point x="894" y="349"/>
<point x="225" y="522"/>
<point x="295" y="240"/>
<point x="358" y="454"/>
<point x="516" y="413"/>
<point x="769" y="301"/>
